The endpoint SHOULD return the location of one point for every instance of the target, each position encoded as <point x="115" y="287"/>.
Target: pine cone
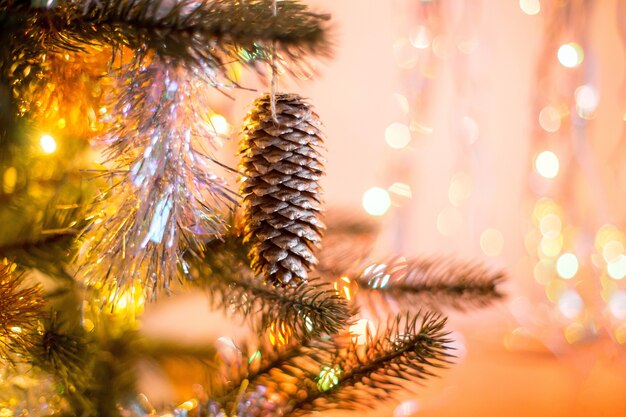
<point x="281" y="194"/>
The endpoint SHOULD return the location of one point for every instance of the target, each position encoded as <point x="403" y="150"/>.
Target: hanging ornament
<point x="281" y="194"/>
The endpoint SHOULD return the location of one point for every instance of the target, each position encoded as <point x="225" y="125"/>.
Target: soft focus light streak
<point x="376" y="201"/>
<point x="401" y="189"/>
<point x="420" y="37"/>
<point x="407" y="408"/>
<point x="547" y="164"/>
<point x="48" y="144"/>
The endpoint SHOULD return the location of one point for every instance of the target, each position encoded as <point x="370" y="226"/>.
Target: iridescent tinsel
<point x="165" y="197"/>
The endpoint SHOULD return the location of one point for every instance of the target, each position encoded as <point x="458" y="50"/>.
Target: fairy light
<point x="219" y="124"/>
<point x="570" y="55"/>
<point x="617" y="268"/>
<point x="420" y="37"/>
<point x="587" y="100"/>
<point x="530" y="7"/>
<point x="547" y="164"/>
<point x="360" y="330"/>
<point x="567" y="265"/>
<point x="397" y="135"/>
<point x="48" y="144"/>
<point x="550" y="119"/>
<point x="376" y="201"/>
<point x="345" y="287"/>
<point x="406" y="408"/>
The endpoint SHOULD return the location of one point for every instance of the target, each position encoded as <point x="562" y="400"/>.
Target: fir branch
<point x="338" y="372"/>
<point x="408" y="349"/>
<point x="433" y="283"/>
<point x="21" y="307"/>
<point x="309" y="310"/>
<point x="207" y="33"/>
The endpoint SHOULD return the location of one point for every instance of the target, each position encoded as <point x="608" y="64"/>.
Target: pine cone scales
<point x="282" y="197"/>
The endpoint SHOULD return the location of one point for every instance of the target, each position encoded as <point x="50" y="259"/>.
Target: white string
<point x="274" y="75"/>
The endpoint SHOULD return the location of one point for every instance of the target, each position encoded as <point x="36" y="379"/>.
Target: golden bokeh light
<point x="570" y="55"/>
<point x="48" y="144"/>
<point x="547" y="164"/>
<point x="530" y="7"/>
<point x="491" y="242"/>
<point x="376" y="201"/>
<point x="567" y="265"/>
<point x="550" y="119"/>
<point x="397" y="135"/>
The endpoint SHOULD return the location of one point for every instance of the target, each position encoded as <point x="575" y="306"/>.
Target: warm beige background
<point x="501" y="371"/>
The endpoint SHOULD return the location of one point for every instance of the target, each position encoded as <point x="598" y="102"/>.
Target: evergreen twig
<point x="433" y="283"/>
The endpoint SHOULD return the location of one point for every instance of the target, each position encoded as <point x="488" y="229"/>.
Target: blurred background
<point x="495" y="128"/>
<point x="488" y="130"/>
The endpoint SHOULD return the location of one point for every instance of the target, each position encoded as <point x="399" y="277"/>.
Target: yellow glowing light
<point x="547" y="164"/>
<point x="550" y="225"/>
<point x="188" y="405"/>
<point x="587" y="100"/>
<point x="328" y="378"/>
<point x="551" y="246"/>
<point x="48" y="144"/>
<point x="570" y="55"/>
<point x="420" y="37"/>
<point x="346" y="287"/>
<point x="491" y="242"/>
<point x="449" y="221"/>
<point x="570" y="304"/>
<point x="397" y="135"/>
<point x="612" y="251"/>
<point x="61" y="123"/>
<point x="220" y="124"/>
<point x="617" y="269"/>
<point x="567" y="265"/>
<point x="460" y="189"/>
<point x="376" y="201"/>
<point x="9" y="179"/>
<point x="606" y="234"/>
<point x="550" y="119"/>
<point x="401" y="189"/>
<point x="574" y="332"/>
<point x="544" y="271"/>
<point x="279" y="333"/>
<point x="16" y="329"/>
<point x="530" y="7"/>
<point x="361" y="329"/>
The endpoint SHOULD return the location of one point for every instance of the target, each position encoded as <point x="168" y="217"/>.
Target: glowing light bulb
<point x="547" y="164"/>
<point x="530" y="7"/>
<point x="220" y="124"/>
<point x="397" y="135"/>
<point x="567" y="265"/>
<point x="376" y="201"/>
<point x="570" y="55"/>
<point x="48" y="144"/>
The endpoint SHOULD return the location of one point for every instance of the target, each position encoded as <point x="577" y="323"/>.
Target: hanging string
<point x="274" y="71"/>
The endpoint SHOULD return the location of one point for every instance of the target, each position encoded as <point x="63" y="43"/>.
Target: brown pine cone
<point x="281" y="194"/>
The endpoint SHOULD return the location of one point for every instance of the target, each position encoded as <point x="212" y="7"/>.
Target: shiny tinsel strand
<point x="165" y="195"/>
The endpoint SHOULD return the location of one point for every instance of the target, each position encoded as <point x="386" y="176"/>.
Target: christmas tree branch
<point x="308" y="310"/>
<point x="434" y="283"/>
